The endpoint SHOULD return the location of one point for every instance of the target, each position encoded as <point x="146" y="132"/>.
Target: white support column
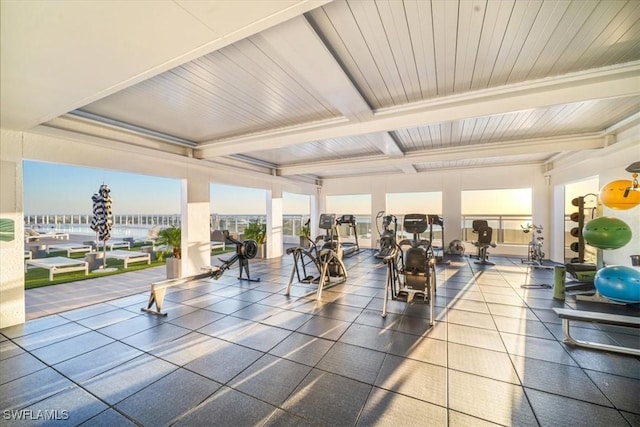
<point x="557" y="225"/>
<point x="318" y="206"/>
<point x="12" y="296"/>
<point x="540" y="209"/>
<point x="378" y="203"/>
<point x="451" y="207"/>
<point x="274" y="224"/>
<point x="196" y="233"/>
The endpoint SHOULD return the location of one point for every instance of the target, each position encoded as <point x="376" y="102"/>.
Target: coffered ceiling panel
<point x="399" y="52"/>
<point x="565" y="119"/>
<point x="235" y="90"/>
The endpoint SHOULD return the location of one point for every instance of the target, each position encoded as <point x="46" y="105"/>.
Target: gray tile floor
<point x="234" y="353"/>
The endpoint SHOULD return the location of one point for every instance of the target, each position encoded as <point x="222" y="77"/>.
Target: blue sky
<point x="50" y="188"/>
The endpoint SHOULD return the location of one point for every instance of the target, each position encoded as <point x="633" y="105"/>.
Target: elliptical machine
<point x="327" y="260"/>
<point x="411" y="276"/>
<point x="388" y="234"/>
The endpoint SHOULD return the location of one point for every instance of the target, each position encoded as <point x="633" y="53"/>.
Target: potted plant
<point x="258" y="232"/>
<point x="171" y="237"/>
<point x="305" y="234"/>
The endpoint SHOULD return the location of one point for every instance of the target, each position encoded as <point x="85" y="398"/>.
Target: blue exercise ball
<point x="619" y="283"/>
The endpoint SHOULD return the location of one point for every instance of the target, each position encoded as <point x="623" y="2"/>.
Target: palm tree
<point x="256" y="231"/>
<point x="171" y="236"/>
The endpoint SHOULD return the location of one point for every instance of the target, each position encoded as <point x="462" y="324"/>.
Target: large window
<point x="430" y="203"/>
<point x="233" y="208"/>
<point x="404" y="203"/>
<point x="352" y="204"/>
<point x="505" y="210"/>
<point x="296" y="209"/>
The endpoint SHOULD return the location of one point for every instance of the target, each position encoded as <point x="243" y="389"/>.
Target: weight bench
<point x="159" y="289"/>
<point x="595" y="317"/>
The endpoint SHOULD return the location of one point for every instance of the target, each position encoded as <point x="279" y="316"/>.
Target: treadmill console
<point x="435" y="220"/>
<point x="327" y="221"/>
<point x="347" y="219"/>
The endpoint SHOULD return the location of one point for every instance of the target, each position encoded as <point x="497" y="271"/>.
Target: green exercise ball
<point x="607" y="232"/>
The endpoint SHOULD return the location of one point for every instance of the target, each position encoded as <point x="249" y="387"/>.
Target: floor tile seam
<point x="246" y="346"/>
<point x="88" y="330"/>
<point x="115" y="404"/>
<point x="77" y="320"/>
<point x="612" y="406"/>
<point x="59" y="313"/>
<point x="616" y="336"/>
<point x="387" y="353"/>
<point x="501" y="333"/>
<point x="73" y="383"/>
<point x="327" y="339"/>
<point x="39" y="330"/>
<point x="475" y="374"/>
<point x="291" y="393"/>
<point x="587" y="370"/>
<point x="502" y="341"/>
<point x="177" y="418"/>
<point x="486" y="420"/>
<point x="583" y="371"/>
<point x="446" y="408"/>
<point x="413" y="359"/>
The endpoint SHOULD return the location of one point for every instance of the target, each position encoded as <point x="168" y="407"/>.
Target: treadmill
<point x="349" y="248"/>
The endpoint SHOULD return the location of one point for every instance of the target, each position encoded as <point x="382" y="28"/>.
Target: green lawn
<point x="38" y="277"/>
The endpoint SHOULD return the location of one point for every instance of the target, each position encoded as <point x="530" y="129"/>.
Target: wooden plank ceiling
<point x="359" y="87"/>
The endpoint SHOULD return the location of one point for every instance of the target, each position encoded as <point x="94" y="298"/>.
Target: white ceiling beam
<point x="608" y="82"/>
<point x="386" y="144"/>
<point x="408" y="169"/>
<point x="499" y="149"/>
<point x="94" y="49"/>
<point x="622" y="125"/>
<point x="297" y="45"/>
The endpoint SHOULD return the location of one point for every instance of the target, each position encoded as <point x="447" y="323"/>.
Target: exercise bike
<point x="388" y="234"/>
<point x="535" y="256"/>
<point x="411" y="275"/>
<point x="326" y="261"/>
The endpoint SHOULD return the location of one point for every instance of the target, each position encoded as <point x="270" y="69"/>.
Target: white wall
<point x="609" y="164"/>
<point x="12" y="309"/>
